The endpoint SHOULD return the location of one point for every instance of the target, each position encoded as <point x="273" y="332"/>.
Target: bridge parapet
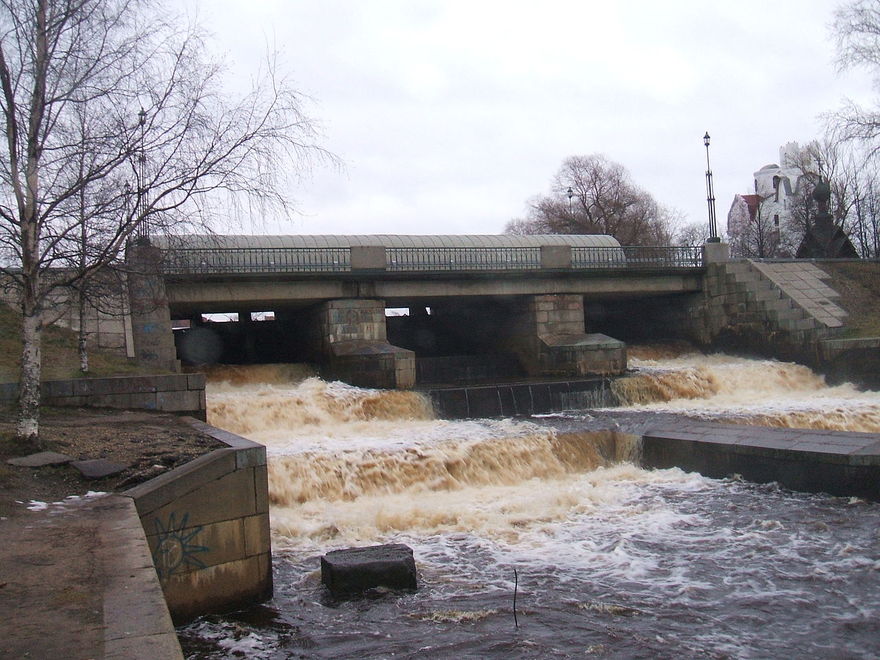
<point x="184" y="261"/>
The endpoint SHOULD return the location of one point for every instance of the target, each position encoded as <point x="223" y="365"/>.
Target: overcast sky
<point x="449" y="116"/>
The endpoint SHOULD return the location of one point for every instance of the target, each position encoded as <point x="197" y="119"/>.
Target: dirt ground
<point x="147" y="443"/>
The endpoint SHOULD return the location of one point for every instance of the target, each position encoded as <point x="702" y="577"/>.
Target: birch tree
<point x="117" y="124"/>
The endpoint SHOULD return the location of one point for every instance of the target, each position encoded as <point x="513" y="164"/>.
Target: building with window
<point x="757" y="222"/>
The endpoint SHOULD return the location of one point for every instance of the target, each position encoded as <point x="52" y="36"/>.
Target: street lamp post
<point x="570" y="195"/>
<point x="710" y="196"/>
<point x="143" y="231"/>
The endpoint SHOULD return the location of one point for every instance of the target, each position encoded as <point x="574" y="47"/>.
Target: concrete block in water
<point x="355" y="570"/>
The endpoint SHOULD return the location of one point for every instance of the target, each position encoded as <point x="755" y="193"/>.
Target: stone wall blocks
<point x="192" y="594"/>
<point x="229" y="497"/>
<point x="158" y="492"/>
<point x="257" y="534"/>
<point x="181" y="401"/>
<point x="196" y="381"/>
<point x="261" y="485"/>
<point x="212" y="544"/>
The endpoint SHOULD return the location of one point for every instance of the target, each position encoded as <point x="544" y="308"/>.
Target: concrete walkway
<point x="77" y="581"/>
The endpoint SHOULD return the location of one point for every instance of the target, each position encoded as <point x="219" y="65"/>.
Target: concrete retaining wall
<point x="207" y="525"/>
<point x="174" y="393"/>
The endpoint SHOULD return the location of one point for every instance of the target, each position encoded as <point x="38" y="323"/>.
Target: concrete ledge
<point x="833" y="462"/>
<point x="136" y="618"/>
<point x="175" y="393"/>
<point x="207" y="528"/>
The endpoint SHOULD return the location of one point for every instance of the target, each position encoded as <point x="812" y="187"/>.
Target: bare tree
<point x="761" y="236"/>
<point x="865" y="212"/>
<point x="594" y="195"/>
<point x="692" y="234"/>
<point x="856" y="29"/>
<point x="833" y="162"/>
<point x="116" y="123"/>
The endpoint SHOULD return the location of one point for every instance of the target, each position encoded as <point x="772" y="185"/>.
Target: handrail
<point x="221" y="261"/>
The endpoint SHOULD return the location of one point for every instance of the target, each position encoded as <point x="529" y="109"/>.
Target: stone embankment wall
<point x="785" y="310"/>
<point x="781" y="310"/>
<point x="175" y="393"/>
<point x="106" y="316"/>
<point x="207" y="526"/>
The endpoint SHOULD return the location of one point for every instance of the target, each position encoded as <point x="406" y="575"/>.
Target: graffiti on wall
<point x="176" y="547"/>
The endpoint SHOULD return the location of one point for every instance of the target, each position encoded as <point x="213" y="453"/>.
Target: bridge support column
<point x="150" y="314"/>
<point x="351" y="340"/>
<point x="550" y="339"/>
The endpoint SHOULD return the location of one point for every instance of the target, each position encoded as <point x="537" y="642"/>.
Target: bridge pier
<point x="545" y="332"/>
<point x="550" y="338"/>
<point x="150" y="314"/>
<point x="350" y="339"/>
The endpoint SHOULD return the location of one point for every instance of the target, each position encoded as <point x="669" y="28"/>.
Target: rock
<point x="98" y="468"/>
<point x="41" y="460"/>
<point x="353" y="571"/>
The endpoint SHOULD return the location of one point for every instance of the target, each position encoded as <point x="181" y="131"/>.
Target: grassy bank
<point x="60" y="355"/>
<point x="858" y="283"/>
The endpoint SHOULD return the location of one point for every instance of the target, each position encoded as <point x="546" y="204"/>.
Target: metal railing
<point x="421" y="259"/>
<point x="223" y="261"/>
<point x="687" y="256"/>
<point x="211" y="261"/>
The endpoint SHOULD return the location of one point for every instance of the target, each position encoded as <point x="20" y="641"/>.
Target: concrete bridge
<point x="476" y="307"/>
<point x="517" y="302"/>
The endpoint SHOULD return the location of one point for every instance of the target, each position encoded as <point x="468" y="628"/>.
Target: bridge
<point x="517" y="301"/>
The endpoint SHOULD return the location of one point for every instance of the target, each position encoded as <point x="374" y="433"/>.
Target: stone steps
<point x="757" y="290"/>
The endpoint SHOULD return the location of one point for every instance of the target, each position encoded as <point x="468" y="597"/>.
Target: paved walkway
<point x="77" y="582"/>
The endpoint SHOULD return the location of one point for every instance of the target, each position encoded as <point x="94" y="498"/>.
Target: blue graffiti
<point x="175" y="548"/>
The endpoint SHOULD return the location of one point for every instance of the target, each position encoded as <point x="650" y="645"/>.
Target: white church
<point x="776" y="185"/>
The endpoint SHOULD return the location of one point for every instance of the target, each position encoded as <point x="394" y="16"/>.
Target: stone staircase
<point x="786" y="298"/>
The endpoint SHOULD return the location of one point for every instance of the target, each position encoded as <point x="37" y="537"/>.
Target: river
<point x="605" y="559"/>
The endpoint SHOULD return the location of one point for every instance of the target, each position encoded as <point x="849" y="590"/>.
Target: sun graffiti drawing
<point x="175" y="548"/>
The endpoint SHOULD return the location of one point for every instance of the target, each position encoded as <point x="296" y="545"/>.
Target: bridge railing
<point x="687" y="256"/>
<point x="219" y="261"/>
<point x="462" y="258"/>
<point x="208" y="261"/>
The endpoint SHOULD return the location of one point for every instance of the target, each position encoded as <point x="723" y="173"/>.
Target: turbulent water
<point x="605" y="559"/>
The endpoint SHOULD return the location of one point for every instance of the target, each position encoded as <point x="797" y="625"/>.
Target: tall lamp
<point x="710" y="197"/>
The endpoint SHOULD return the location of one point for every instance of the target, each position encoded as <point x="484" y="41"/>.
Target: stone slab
<point x="41" y="459"/>
<point x="98" y="468"/>
<point x="353" y="571"/>
<point x="836" y="462"/>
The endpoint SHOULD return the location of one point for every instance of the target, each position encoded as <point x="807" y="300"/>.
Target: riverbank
<point x="143" y="443"/>
<point x="76" y="576"/>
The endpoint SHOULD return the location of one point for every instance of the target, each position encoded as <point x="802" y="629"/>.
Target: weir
<point x="476" y="497"/>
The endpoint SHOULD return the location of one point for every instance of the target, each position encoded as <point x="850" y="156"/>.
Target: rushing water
<point x="605" y="559"/>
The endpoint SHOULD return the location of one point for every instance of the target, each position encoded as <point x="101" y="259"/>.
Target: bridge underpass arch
<point x="446" y="339"/>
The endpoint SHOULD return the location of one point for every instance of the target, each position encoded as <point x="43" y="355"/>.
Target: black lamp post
<point x="570" y="195"/>
<point x="710" y="197"/>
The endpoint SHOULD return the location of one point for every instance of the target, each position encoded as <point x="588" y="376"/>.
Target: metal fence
<point x="462" y="259"/>
<point x="221" y="261"/>
<point x="210" y="261"/>
<point x="664" y="257"/>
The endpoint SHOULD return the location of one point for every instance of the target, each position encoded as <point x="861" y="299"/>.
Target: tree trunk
<point x="29" y="382"/>
<point x="83" y="348"/>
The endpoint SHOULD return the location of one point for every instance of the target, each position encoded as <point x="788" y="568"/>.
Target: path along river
<point x="606" y="559"/>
